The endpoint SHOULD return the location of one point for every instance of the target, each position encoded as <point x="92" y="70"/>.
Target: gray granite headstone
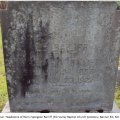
<point x="60" y="56"/>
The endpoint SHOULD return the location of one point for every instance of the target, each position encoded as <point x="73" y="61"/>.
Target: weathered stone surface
<point x="60" y="56"/>
<point x="115" y="109"/>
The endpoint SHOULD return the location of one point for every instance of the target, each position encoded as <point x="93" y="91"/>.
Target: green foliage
<point x="117" y="96"/>
<point x="117" y="92"/>
<point x="3" y="87"/>
<point x="118" y="2"/>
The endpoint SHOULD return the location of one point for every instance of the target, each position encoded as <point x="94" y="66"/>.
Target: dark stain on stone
<point x="44" y="37"/>
<point x="45" y="111"/>
<point x="61" y="52"/>
<point x="45" y="31"/>
<point x="100" y="110"/>
<point x="45" y="69"/>
<point x="58" y="61"/>
<point x="29" y="62"/>
<point x="87" y="111"/>
<point x="52" y="56"/>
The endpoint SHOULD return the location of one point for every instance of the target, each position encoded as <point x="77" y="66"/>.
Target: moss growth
<point x="3" y="87"/>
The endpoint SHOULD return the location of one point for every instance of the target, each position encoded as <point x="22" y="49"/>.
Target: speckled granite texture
<point x="60" y="56"/>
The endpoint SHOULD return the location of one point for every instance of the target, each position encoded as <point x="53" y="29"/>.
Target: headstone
<point x="60" y="56"/>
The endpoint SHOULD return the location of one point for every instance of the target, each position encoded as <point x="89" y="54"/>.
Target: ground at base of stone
<point x="115" y="109"/>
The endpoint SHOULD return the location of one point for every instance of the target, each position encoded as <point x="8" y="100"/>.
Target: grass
<point x="117" y="96"/>
<point x="3" y="87"/>
<point x="117" y="92"/>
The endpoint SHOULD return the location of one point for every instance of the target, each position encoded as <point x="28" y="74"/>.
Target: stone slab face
<point x="60" y="56"/>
